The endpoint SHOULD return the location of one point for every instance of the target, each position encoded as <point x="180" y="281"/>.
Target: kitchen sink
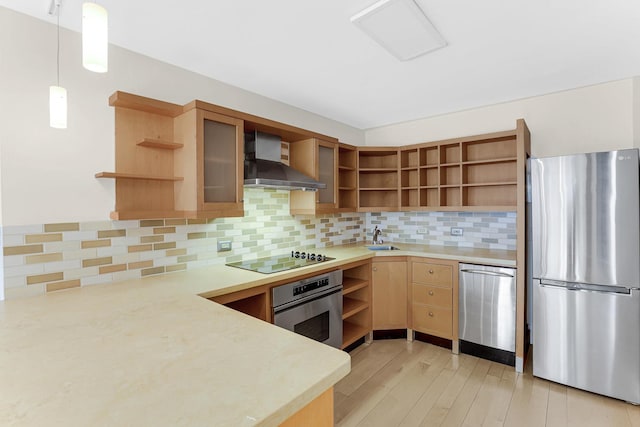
<point x="382" y="248"/>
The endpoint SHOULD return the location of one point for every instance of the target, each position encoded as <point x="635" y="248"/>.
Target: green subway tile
<point x="187" y="258"/>
<point x="150" y="271"/>
<point x="176" y="267"/>
<point x="166" y="245"/>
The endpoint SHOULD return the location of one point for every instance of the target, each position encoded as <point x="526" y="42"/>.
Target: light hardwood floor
<point x="398" y="383"/>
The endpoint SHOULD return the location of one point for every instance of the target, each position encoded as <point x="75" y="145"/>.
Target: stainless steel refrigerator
<point x="586" y="271"/>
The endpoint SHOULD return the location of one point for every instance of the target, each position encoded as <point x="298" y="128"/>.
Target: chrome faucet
<point x="376" y="236"/>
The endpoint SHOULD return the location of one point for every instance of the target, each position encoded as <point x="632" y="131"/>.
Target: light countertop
<point x="151" y="352"/>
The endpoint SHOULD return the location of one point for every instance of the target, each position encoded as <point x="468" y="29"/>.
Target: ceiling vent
<point x="401" y="27"/>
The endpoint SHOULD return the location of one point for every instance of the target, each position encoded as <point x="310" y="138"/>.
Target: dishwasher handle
<point x="486" y="272"/>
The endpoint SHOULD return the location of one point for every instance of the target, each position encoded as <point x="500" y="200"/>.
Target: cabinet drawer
<point x="432" y="274"/>
<point x="431" y="295"/>
<point x="432" y="320"/>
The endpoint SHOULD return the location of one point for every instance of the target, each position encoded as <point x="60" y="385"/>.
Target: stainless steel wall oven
<point x="311" y="307"/>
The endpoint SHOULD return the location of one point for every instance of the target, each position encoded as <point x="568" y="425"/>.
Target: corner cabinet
<point x="319" y="160"/>
<point x="390" y="300"/>
<point x="378" y="183"/>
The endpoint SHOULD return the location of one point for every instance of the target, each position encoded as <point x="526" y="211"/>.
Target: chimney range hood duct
<point x="263" y="168"/>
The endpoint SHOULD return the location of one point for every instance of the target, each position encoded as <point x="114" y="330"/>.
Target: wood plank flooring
<point x="398" y="383"/>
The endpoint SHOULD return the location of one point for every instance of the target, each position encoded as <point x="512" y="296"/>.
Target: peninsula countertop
<point x="142" y="354"/>
<point x="151" y="351"/>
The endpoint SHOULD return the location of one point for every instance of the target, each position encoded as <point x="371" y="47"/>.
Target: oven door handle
<point x="303" y="300"/>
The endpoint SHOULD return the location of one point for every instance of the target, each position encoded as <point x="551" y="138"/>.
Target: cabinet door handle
<point x="375" y="268"/>
<point x="431" y="293"/>
<point x="431" y="314"/>
<point x="430" y="271"/>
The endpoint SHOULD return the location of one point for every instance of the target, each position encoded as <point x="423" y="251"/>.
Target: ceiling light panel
<point x="401" y="27"/>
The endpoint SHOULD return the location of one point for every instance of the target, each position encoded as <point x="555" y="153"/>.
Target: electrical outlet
<point x="224" y="245"/>
<point x="423" y="231"/>
<point x="456" y="231"/>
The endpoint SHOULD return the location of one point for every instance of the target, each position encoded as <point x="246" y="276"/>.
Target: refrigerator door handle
<point x="485" y="272"/>
<point x="570" y="286"/>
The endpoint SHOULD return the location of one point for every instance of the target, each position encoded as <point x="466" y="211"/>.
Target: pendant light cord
<point x="58" y="49"/>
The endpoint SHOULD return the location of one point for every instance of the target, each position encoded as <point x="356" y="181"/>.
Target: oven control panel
<point x="299" y="290"/>
<point x="306" y="288"/>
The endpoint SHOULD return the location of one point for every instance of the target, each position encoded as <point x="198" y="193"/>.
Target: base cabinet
<point x="356" y="309"/>
<point x="434" y="297"/>
<point x="318" y="413"/>
<point x="389" y="282"/>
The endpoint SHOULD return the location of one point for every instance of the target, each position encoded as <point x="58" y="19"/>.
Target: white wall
<point x="595" y="118"/>
<point x="48" y="174"/>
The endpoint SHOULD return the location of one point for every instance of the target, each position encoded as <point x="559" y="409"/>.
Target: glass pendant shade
<point x="95" y="39"/>
<point x="57" y="107"/>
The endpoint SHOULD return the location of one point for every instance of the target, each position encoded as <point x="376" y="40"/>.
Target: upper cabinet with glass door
<point x="211" y="164"/>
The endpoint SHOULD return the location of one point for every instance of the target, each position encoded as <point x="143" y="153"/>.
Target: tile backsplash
<point x="486" y="230"/>
<point x="48" y="257"/>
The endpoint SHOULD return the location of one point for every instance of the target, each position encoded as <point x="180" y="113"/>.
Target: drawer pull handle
<point x="431" y="293"/>
<point x="430" y="271"/>
<point x="431" y="314"/>
<point x="375" y="268"/>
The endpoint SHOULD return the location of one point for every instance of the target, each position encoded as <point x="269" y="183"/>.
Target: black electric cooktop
<point x="273" y="264"/>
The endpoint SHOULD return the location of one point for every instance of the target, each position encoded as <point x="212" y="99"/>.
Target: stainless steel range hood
<point x="263" y="168"/>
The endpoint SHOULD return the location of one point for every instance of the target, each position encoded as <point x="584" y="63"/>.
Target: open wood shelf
<point x="119" y="175"/>
<point x="373" y="170"/>
<point x="351" y="306"/>
<point x="378" y="189"/>
<point x="351" y="284"/>
<point x="346" y="168"/>
<point x="157" y="143"/>
<point x="351" y="333"/>
<point x="490" y="161"/>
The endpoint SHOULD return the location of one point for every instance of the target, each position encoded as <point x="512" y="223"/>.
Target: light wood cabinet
<point x="319" y="160"/>
<point x="434" y="300"/>
<point x="463" y="174"/>
<point x="215" y="146"/>
<point x="347" y="178"/>
<point x="255" y="302"/>
<point x="378" y="179"/>
<point x="389" y="282"/>
<point x="356" y="305"/>
<point x="175" y="162"/>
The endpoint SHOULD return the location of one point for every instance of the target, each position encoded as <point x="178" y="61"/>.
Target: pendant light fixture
<point x="57" y="94"/>
<point x="95" y="38"/>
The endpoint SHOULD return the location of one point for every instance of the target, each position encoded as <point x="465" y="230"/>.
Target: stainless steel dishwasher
<point x="487" y="312"/>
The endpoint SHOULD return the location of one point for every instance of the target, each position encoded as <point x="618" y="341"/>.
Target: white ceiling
<point x="308" y="54"/>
